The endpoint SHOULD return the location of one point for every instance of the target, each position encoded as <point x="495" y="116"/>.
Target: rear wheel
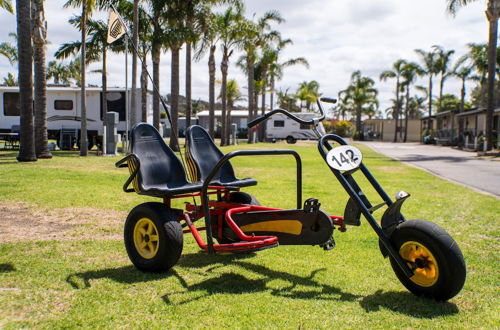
<point x="291" y="140"/>
<point x="438" y="263"/>
<point x="241" y="197"/>
<point x="153" y="237"/>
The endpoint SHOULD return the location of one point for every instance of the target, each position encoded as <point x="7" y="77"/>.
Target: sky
<point x="337" y="37"/>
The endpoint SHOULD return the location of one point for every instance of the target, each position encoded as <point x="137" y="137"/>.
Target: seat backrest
<point x="158" y="163"/>
<point x="202" y="155"/>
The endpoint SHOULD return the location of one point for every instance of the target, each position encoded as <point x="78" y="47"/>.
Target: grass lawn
<point x="63" y="262"/>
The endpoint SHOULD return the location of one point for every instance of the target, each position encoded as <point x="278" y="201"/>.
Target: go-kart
<point x="425" y="258"/>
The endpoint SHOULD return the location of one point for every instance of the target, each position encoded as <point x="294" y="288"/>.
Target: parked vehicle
<point x="64" y="112"/>
<point x="282" y="127"/>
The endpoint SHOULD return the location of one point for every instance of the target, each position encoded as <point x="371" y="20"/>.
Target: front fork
<point x="392" y="216"/>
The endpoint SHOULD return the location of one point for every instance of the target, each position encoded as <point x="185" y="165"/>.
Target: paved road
<point x="454" y="165"/>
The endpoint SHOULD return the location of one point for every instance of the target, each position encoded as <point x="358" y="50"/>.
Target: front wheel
<point x="153" y="237"/>
<point x="438" y="263"/>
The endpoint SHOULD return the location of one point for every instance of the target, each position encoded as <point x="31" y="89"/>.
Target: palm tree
<point x="10" y="80"/>
<point x="97" y="49"/>
<point x="9" y="50"/>
<point x="7" y="5"/>
<point x="276" y="67"/>
<point x="361" y="95"/>
<point x="25" y="54"/>
<point x="255" y="35"/>
<point x="230" y="26"/>
<point x="39" y="40"/>
<point x="409" y="74"/>
<point x="309" y="92"/>
<point x="88" y="6"/>
<point x="287" y="101"/>
<point x="158" y="20"/>
<point x="175" y="35"/>
<point x="60" y="72"/>
<point x="233" y="94"/>
<point x="209" y="42"/>
<point x="492" y="14"/>
<point x="464" y="72"/>
<point x="478" y="58"/>
<point x="443" y="61"/>
<point x="396" y="72"/>
<point x="429" y="69"/>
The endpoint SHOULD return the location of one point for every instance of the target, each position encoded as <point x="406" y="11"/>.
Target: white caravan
<point x="281" y="127"/>
<point x="64" y="112"/>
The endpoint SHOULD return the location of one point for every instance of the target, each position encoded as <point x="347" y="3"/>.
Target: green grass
<point x="89" y="281"/>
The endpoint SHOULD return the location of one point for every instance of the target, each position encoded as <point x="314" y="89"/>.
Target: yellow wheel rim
<point x="146" y="238"/>
<point x="427" y="271"/>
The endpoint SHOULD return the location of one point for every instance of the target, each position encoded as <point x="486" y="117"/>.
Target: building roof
<point x="476" y="111"/>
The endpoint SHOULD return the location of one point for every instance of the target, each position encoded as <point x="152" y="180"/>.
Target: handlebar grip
<point x="328" y="100"/>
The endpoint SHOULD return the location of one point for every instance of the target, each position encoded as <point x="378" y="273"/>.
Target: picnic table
<point x="11" y="140"/>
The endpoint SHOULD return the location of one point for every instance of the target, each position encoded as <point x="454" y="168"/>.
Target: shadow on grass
<point x="233" y="283"/>
<point x="10" y="154"/>
<point x="127" y="275"/>
<point x="7" y="268"/>
<point x="407" y="303"/>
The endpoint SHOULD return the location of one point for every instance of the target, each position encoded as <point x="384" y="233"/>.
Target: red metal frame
<point x="223" y="211"/>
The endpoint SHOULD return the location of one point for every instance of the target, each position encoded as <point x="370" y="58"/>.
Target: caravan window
<point x="11" y="105"/>
<point x="279" y="123"/>
<point x="63" y="104"/>
<point x="304" y="126"/>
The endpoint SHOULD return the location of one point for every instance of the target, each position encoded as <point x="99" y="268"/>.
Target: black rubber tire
<point x="291" y="140"/>
<point x="243" y="198"/>
<point x="449" y="258"/>
<point x="169" y="232"/>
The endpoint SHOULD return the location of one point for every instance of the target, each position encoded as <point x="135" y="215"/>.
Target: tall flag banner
<point x="116" y="28"/>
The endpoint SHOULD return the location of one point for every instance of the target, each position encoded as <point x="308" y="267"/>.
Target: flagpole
<point x="155" y="88"/>
<point x="126" y="91"/>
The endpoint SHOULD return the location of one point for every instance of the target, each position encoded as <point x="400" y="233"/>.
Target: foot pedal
<point x="311" y="205"/>
<point x="328" y="245"/>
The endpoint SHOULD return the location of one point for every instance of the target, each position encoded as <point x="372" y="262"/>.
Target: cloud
<point x="337" y="37"/>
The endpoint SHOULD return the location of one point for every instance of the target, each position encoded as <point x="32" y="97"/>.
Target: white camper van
<point x="280" y="127"/>
<point x="64" y="112"/>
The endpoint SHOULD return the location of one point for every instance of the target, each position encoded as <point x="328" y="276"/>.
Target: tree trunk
<point x="271" y="104"/>
<point x="441" y="85"/>
<point x="407" y="111"/>
<point x="144" y="89"/>
<point x="83" y="129"/>
<point x="262" y="126"/>
<point x="256" y="113"/>
<point x="396" y="112"/>
<point x="135" y="41"/>
<point x="189" y="106"/>
<point x="174" y="94"/>
<point x="251" y="87"/>
<point x="211" y="92"/>
<point x="39" y="39"/>
<point x="224" y="67"/>
<point x="358" y="122"/>
<point x="462" y="96"/>
<point x="156" y="81"/>
<point x="429" y="120"/>
<point x="25" y="67"/>
<point x="492" y="15"/>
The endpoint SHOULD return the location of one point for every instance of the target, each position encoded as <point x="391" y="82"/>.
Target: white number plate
<point x="344" y="158"/>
